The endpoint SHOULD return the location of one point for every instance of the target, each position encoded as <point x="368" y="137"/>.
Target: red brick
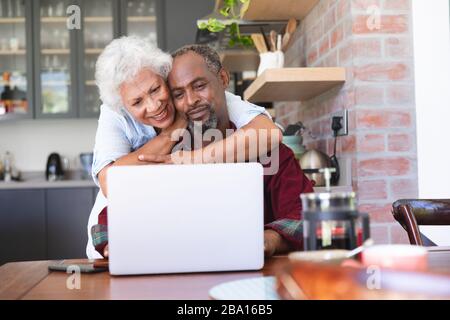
<point x="397" y="5"/>
<point x="384" y="167"/>
<point x="345" y="54"/>
<point x="330" y="20"/>
<point x="389" y="24"/>
<point x="398" y="48"/>
<point x="348" y="144"/>
<point x="400" y="95"/>
<point x="380" y="234"/>
<point x="367" y="95"/>
<point x="337" y="35"/>
<point x="378" y="213"/>
<point x="371" y="143"/>
<point x="312" y="56"/>
<point x="342" y="9"/>
<point x="367" y="48"/>
<point x="372" y="190"/>
<point x="404" y="189"/>
<point x="400" y="143"/>
<point x="331" y="60"/>
<point x="382" y="72"/>
<point x="378" y="119"/>
<point x="363" y="5"/>
<point x="314" y="35"/>
<point x="349" y="98"/>
<point x="324" y="46"/>
<point x="399" y="235"/>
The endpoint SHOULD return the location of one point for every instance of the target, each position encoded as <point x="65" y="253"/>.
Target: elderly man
<point x="198" y="83"/>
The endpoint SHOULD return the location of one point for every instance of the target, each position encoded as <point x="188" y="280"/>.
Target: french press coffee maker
<point x="332" y="221"/>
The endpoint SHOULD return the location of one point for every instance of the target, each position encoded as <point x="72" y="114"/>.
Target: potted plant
<point x="232" y="11"/>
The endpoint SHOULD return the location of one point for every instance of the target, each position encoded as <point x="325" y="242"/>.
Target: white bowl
<point x="324" y="256"/>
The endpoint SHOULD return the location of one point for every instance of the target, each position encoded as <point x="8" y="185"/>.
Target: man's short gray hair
<point x="210" y="55"/>
<point x="122" y="60"/>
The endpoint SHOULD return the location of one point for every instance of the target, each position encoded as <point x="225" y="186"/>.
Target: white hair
<point x="122" y="60"/>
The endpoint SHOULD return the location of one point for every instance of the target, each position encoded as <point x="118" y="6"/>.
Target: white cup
<point x="270" y="60"/>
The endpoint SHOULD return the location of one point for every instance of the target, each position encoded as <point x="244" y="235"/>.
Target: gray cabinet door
<point x="67" y="217"/>
<point x="22" y="225"/>
<point x="180" y="21"/>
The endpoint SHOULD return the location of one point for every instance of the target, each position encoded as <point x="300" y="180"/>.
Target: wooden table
<point x="32" y="280"/>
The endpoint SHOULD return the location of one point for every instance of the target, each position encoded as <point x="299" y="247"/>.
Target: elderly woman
<point x="138" y="116"/>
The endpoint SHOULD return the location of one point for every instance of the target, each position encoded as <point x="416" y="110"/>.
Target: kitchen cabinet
<point x="41" y="224"/>
<point x="67" y="217"/>
<point x="22" y="225"/>
<point x="16" y="60"/>
<point x="65" y="58"/>
<point x="51" y="64"/>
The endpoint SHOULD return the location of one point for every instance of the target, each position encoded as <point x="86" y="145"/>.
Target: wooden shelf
<point x="12" y="20"/>
<point x="12" y="53"/>
<point x="53" y="19"/>
<point x="64" y="19"/>
<point x="293" y="84"/>
<point x="270" y="10"/>
<point x="239" y="60"/>
<point x="55" y="51"/>
<point x="98" y="19"/>
<point x="141" y="19"/>
<point x="93" y="50"/>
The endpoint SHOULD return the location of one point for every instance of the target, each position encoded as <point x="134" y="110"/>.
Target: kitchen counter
<point x="37" y="180"/>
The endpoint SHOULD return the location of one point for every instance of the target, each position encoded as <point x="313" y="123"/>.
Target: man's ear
<point x="224" y="77"/>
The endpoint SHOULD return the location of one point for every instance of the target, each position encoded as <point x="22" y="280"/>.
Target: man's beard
<point x="211" y="123"/>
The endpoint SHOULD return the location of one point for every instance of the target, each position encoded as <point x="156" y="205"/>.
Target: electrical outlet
<point x="343" y="115"/>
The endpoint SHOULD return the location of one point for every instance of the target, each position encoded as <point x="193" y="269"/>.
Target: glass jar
<point x="331" y="221"/>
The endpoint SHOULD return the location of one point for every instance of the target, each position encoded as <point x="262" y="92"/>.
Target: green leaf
<point x="225" y="11"/>
<point x="215" y="25"/>
<point x="202" y="25"/>
<point x="230" y="3"/>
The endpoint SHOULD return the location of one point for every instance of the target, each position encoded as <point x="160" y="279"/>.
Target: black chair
<point x="415" y="212"/>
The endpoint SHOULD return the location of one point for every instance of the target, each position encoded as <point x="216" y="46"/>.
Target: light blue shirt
<point x="118" y="133"/>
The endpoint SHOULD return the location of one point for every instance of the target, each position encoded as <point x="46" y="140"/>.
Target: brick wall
<point x="373" y="40"/>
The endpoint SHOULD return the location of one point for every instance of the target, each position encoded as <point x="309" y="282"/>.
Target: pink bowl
<point x="402" y="257"/>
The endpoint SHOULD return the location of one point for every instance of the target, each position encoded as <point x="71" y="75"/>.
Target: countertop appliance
<point x="54" y="170"/>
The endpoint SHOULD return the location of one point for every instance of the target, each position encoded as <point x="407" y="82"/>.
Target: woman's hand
<point x="155" y="158"/>
<point x="176" y="129"/>
<point x="178" y="157"/>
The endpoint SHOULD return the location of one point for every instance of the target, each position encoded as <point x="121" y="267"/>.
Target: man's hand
<point x="106" y="251"/>
<point x="273" y="243"/>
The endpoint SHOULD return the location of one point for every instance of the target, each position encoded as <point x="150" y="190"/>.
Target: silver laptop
<point x="185" y="218"/>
